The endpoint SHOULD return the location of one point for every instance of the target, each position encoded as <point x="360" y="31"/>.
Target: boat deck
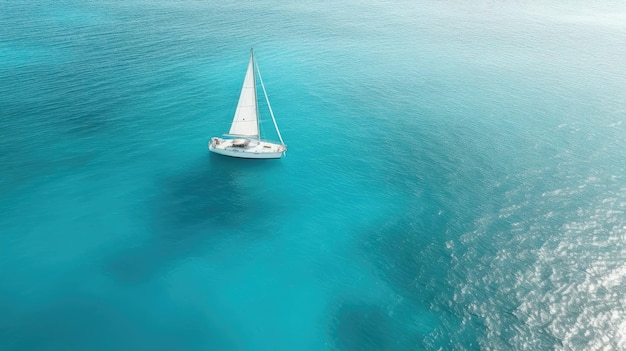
<point x="246" y="148"/>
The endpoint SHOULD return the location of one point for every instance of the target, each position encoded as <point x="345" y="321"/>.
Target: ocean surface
<point x="455" y="179"/>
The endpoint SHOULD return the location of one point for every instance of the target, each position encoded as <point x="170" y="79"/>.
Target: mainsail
<point x="245" y="122"/>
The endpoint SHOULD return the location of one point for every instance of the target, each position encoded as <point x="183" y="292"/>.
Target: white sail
<point x="245" y="122"/>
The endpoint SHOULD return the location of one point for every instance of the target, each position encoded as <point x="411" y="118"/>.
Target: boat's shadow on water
<point x="213" y="201"/>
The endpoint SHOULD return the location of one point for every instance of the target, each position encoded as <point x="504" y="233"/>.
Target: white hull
<point x="243" y="148"/>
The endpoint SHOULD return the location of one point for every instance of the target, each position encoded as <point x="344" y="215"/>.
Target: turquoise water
<point x="455" y="178"/>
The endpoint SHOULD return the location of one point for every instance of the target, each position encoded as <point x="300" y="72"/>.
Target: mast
<point x="268" y="104"/>
<point x="255" y="94"/>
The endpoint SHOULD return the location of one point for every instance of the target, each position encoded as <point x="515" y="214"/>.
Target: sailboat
<point x="244" y="139"/>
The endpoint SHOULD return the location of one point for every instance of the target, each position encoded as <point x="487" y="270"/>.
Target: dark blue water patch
<point x="410" y="253"/>
<point x="407" y="254"/>
<point x="141" y="264"/>
<point x="76" y="321"/>
<point x="361" y="327"/>
<point x="87" y="80"/>
<point x="69" y="102"/>
<point x="32" y="158"/>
